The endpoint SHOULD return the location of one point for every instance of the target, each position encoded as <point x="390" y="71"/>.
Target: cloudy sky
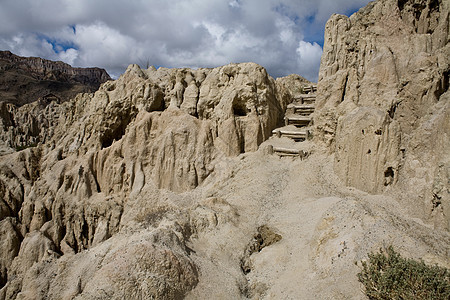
<point x="285" y="36"/>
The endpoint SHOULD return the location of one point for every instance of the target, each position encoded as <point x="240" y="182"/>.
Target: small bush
<point x="387" y="275"/>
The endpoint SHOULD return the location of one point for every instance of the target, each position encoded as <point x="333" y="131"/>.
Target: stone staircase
<point x="297" y="120"/>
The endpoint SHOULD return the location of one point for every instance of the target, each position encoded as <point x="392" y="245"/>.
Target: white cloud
<point x="234" y="4"/>
<point x="278" y="34"/>
<point x="69" y="56"/>
<point x="309" y="55"/>
<point x="105" y="46"/>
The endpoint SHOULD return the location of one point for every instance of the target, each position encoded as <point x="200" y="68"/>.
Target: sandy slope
<point x="311" y="231"/>
<point x="325" y="228"/>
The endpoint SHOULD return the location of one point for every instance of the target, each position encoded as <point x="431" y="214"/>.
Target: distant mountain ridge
<point x="27" y="79"/>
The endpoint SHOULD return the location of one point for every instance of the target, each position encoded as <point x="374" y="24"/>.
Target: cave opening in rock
<point x="115" y="133"/>
<point x="242" y="145"/>
<point x="401" y="4"/>
<point x="445" y="81"/>
<point x="239" y="111"/>
<point x="84" y="234"/>
<point x="3" y="279"/>
<point x="434" y="5"/>
<point x="389" y="176"/>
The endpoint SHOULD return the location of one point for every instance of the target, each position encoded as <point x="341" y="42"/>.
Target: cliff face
<point x="383" y="102"/>
<point x="27" y="79"/>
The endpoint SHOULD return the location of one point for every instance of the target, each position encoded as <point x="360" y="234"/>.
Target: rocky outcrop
<point x="27" y="79"/>
<point x="242" y="101"/>
<point x="141" y="266"/>
<point x="170" y="124"/>
<point x="31" y="90"/>
<point x="383" y="101"/>
<point x="92" y="161"/>
<point x="26" y="126"/>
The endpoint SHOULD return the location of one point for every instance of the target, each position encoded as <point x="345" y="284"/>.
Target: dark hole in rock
<point x="239" y="111"/>
<point x="401" y="4"/>
<point x="417" y="14"/>
<point x="378" y="132"/>
<point x="434" y="5"/>
<point x="111" y="88"/>
<point x="343" y="91"/>
<point x="388" y="176"/>
<point x="59" y="154"/>
<point x="442" y="85"/>
<point x="115" y="133"/>
<point x="246" y="269"/>
<point x="436" y="200"/>
<point x="47" y="215"/>
<point x="3" y="279"/>
<point x="85" y="234"/>
<point x="368" y="152"/>
<point x="392" y="110"/>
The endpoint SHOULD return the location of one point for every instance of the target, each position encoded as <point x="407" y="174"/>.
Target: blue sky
<point x="284" y="36"/>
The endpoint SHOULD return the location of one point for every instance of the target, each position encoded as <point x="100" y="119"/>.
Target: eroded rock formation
<point x="383" y="101"/>
<point x="89" y="158"/>
<point x="43" y="85"/>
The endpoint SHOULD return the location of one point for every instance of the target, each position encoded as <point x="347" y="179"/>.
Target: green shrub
<point x="387" y="275"/>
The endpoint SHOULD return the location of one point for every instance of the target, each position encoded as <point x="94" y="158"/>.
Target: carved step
<point x="310" y="89"/>
<point x="289" y="152"/>
<point x="297" y="120"/>
<point x="303" y="111"/>
<point x="296" y="135"/>
<point x="305" y="99"/>
<point x="302" y="106"/>
<point x="300" y="109"/>
<point x="306" y="96"/>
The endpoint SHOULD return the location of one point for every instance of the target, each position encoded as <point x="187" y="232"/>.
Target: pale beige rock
<point x="190" y="97"/>
<point x="34" y="247"/>
<point x="141" y="265"/>
<point x="384" y="77"/>
<point x="324" y="227"/>
<point x="27" y="125"/>
<point x="148" y="130"/>
<point x="290" y="87"/>
<point x="9" y="246"/>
